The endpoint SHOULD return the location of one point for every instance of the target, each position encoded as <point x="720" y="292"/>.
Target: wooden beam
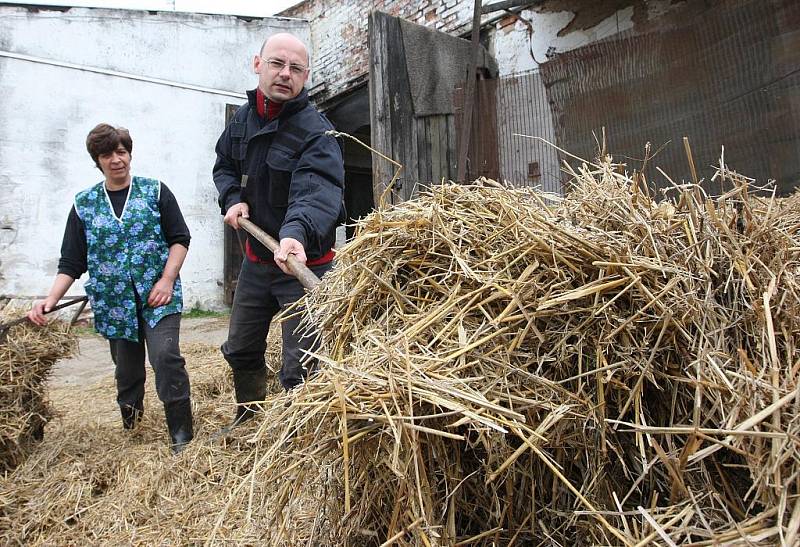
<point x="469" y="93"/>
<point x="380" y="119"/>
<point x="506" y="5"/>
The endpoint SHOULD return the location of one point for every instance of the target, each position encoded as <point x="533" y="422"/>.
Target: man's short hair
<point x="104" y="139"/>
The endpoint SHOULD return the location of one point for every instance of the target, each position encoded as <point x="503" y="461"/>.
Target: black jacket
<point x="295" y="174"/>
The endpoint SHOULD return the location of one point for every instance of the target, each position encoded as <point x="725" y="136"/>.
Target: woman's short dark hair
<point x="104" y="139"/>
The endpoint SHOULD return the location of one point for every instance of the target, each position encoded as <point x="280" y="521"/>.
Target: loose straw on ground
<point x="27" y="355"/>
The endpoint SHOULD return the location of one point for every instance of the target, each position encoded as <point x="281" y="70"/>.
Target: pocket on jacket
<point x="281" y="165"/>
<point x="238" y="143"/>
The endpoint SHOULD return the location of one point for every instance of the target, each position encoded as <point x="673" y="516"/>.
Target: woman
<point x="129" y="234"/>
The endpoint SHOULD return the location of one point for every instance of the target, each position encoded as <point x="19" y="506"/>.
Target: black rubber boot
<point x="179" y="423"/>
<point x="131" y="414"/>
<point x="249" y="385"/>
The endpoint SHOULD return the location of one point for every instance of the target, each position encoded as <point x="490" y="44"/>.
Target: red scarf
<point x="266" y="108"/>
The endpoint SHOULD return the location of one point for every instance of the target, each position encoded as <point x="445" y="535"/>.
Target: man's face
<point x="282" y="68"/>
<point x="116" y="165"/>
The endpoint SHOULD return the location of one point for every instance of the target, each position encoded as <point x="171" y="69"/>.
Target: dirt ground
<point x="93" y="361"/>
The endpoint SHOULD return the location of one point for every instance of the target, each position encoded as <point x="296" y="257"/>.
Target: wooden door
<point x="412" y="112"/>
<point x="233" y="245"/>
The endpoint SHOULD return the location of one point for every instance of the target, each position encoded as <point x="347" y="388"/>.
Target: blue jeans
<point x="163" y="349"/>
<point x="261" y="292"/>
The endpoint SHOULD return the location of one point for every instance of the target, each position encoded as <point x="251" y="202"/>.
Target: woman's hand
<point x="39" y="308"/>
<point x="161" y="293"/>
<point x="61" y="285"/>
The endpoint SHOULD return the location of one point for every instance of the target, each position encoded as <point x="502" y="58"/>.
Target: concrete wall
<point x="46" y="112"/>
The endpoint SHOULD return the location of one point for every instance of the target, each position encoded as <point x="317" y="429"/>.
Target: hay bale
<point x="606" y="370"/>
<point x="27" y="354"/>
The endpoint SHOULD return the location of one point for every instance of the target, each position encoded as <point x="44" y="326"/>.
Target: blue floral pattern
<point x="123" y="254"/>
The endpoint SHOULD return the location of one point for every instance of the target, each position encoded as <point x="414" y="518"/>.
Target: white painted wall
<point x="46" y="112"/>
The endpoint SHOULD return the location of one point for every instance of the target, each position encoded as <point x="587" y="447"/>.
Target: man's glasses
<point x="277" y="65"/>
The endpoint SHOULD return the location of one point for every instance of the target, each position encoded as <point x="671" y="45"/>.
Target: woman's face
<point x="116" y="165"/>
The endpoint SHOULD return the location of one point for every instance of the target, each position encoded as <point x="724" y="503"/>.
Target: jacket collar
<point x="289" y="107"/>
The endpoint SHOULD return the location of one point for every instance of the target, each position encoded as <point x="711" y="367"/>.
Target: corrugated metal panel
<point x="730" y="77"/>
<point x="522" y="108"/>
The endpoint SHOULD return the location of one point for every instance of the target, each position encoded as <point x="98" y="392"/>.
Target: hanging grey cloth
<point x="436" y="63"/>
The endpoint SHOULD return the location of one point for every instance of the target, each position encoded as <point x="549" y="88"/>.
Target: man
<point x="276" y="166"/>
<point x="129" y="234"/>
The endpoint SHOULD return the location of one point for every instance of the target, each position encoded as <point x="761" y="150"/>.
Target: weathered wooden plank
<point x="411" y="148"/>
<point x="423" y="150"/>
<point x="444" y="169"/>
<point x="400" y="109"/>
<point x="452" y="147"/>
<point x="469" y="98"/>
<point x="379" y="100"/>
<point x="441" y="158"/>
<point x="437" y="150"/>
<point x="487" y="129"/>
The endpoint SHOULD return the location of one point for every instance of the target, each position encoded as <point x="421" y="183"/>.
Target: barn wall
<point x="47" y="110"/>
<point x="726" y="77"/>
<point x="520" y="42"/>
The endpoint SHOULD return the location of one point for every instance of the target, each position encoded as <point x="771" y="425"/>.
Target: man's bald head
<point x="284" y="39"/>
<point x="282" y="67"/>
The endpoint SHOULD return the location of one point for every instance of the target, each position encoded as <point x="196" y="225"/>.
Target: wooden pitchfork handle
<point x="300" y="270"/>
<point x="10" y="324"/>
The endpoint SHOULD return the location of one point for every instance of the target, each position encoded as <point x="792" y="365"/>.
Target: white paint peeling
<point x="526" y="46"/>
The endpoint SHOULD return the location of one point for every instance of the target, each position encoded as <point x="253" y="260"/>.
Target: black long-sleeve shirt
<point x="74" y="249"/>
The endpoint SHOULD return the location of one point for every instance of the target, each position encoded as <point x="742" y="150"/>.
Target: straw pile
<point x="26" y="356"/>
<point x="606" y="370"/>
<point x="496" y="369"/>
<point x="91" y="482"/>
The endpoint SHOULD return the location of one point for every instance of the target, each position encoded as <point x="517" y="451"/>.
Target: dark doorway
<point x="358" y="199"/>
<point x="350" y="114"/>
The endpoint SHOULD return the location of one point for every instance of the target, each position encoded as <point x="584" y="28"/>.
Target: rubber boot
<point x="179" y="424"/>
<point x="131" y="414"/>
<point x="249" y="385"/>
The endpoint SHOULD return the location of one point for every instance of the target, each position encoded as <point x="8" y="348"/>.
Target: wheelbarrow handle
<point x="24" y="318"/>
<point x="306" y="277"/>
